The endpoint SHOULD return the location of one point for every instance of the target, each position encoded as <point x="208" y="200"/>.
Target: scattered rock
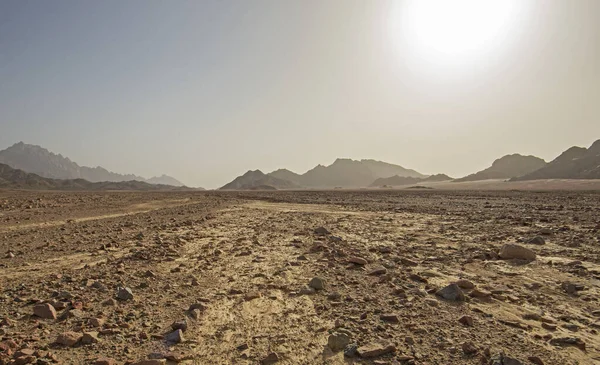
<point x="568" y="341"/>
<point x="379" y="270"/>
<point x="105" y="361"/>
<point x="375" y="350"/>
<point x="317" y="283"/>
<point x="124" y="293"/>
<point x="44" y="310"/>
<point x="469" y="348"/>
<point x="466" y="320"/>
<point x="338" y="341"/>
<point x="535" y="360"/>
<point x="392" y="318"/>
<point x="252" y="295"/>
<point x="537" y="240"/>
<point x="465" y="284"/>
<point x="271" y="358"/>
<point x="451" y="292"/>
<point x="512" y="251"/>
<point x="89" y="338"/>
<point x="321" y="231"/>
<point x="175" y="337"/>
<point x="69" y="338"/>
<point x="180" y="325"/>
<point x="357" y="260"/>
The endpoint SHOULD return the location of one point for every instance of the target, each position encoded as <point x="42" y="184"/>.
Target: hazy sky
<point x="205" y="90"/>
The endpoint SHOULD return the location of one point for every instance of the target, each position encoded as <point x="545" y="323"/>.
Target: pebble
<point x="317" y="283"/>
<point x="537" y="240"/>
<point x="466" y="320"/>
<point x="469" y="348"/>
<point x="465" y="284"/>
<point x="89" y="338"/>
<point x="379" y="270"/>
<point x="105" y="361"/>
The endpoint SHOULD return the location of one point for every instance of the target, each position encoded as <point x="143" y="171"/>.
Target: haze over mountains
<point x="38" y="160"/>
<point x="19" y="179"/>
<point x="507" y="167"/>
<point x="575" y="163"/>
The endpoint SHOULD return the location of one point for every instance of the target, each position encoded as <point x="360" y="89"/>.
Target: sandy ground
<point x="232" y="270"/>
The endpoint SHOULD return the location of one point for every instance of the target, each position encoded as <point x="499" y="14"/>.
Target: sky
<point x="206" y="90"/>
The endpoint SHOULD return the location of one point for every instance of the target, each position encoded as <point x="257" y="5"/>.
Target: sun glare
<point x="455" y="30"/>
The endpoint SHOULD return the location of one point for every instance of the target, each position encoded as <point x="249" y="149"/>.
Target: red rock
<point x="44" y="310"/>
<point x="69" y="338"/>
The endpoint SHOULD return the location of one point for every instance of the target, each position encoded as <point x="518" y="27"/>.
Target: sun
<point x="455" y="29"/>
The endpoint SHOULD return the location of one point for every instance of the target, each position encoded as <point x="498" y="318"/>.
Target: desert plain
<point x="413" y="276"/>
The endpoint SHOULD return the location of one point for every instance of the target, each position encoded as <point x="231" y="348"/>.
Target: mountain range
<point x="19" y="179"/>
<point x="574" y="163"/>
<point x="507" y="167"/>
<point x="38" y="160"/>
<point x="408" y="180"/>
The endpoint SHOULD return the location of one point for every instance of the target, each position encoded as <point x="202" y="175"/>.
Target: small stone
<point x="105" y="361"/>
<point x="513" y="251"/>
<point x="451" y="292"/>
<point x="124" y="293"/>
<point x="469" y="348"/>
<point x="549" y="326"/>
<point x="479" y="293"/>
<point x="379" y="270"/>
<point x="357" y="260"/>
<point x="466" y="320"/>
<point x="392" y="318"/>
<point x="408" y="262"/>
<point x="89" y="338"/>
<point x="321" y="231"/>
<point x="307" y="291"/>
<point x="317" y="283"/>
<point x="569" y="287"/>
<point x="175" y="336"/>
<point x="109" y="302"/>
<point x="537" y="240"/>
<point x="351" y="350"/>
<point x="69" y="338"/>
<point x="44" y="310"/>
<point x="338" y="341"/>
<point x="535" y="360"/>
<point x="151" y="362"/>
<point x="180" y="325"/>
<point x="271" y="358"/>
<point x="568" y="341"/>
<point x="546" y="231"/>
<point x="375" y="350"/>
<point x="465" y="284"/>
<point x="96" y="322"/>
<point x="252" y="295"/>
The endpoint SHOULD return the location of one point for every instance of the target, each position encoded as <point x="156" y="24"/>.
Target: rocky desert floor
<point x="338" y="277"/>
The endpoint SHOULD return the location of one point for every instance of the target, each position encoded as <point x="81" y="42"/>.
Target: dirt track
<point x="246" y="259"/>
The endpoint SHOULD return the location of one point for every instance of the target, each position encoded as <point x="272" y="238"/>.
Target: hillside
<point x="507" y="167"/>
<point x="38" y="160"/>
<point x="345" y="173"/>
<point x="257" y="180"/>
<point x="18" y="179"/>
<point x="403" y="180"/>
<point x="574" y="163"/>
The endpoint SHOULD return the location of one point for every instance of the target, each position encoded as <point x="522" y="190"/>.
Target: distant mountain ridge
<point x="404" y="180"/>
<point x="507" y="167"/>
<point x="574" y="163"/>
<point x="18" y="179"/>
<point x="256" y="179"/>
<point x="42" y="162"/>
<point x="345" y="172"/>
